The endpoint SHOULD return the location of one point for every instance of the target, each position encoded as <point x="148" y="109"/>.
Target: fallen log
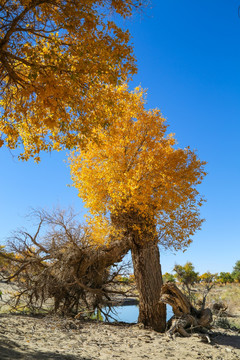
<point x="186" y="316"/>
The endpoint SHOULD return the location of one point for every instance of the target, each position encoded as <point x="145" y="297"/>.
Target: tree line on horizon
<point x="187" y="274"/>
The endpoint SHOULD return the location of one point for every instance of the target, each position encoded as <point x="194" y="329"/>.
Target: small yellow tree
<point x="135" y="181"/>
<point x="55" y="59"/>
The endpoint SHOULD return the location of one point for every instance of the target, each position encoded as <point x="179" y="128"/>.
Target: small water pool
<point x="129" y="313"/>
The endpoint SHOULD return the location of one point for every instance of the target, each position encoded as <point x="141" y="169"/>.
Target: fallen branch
<point x="186" y="316"/>
<point x="58" y="265"/>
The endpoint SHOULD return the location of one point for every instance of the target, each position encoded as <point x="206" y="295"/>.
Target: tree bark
<point x="185" y="315"/>
<point x="148" y="275"/>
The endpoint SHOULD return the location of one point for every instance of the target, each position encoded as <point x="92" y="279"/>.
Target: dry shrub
<point x="60" y="264"/>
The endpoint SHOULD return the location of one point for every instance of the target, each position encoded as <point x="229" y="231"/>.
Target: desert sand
<point x="25" y="337"/>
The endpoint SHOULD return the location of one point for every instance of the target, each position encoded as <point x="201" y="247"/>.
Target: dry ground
<point x="28" y="338"/>
<point x="25" y="338"/>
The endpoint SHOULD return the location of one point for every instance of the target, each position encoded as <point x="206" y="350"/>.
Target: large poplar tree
<point x="140" y="187"/>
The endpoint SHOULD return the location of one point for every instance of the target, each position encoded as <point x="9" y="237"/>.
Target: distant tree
<point x="207" y="277"/>
<point x="207" y="282"/>
<point x="167" y="277"/>
<point x="236" y="271"/>
<point x="4" y="259"/>
<point x="225" y="277"/>
<point x="132" y="278"/>
<point x="186" y="276"/>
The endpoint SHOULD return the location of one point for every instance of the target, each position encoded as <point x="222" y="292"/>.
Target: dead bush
<point x="60" y="265"/>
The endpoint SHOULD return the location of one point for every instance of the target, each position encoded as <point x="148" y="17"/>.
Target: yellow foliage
<point x="56" y="59"/>
<point x="134" y="176"/>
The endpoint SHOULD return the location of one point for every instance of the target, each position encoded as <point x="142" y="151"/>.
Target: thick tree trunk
<point x="147" y="271"/>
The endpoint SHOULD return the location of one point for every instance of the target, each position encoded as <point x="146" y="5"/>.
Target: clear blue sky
<point x="188" y="56"/>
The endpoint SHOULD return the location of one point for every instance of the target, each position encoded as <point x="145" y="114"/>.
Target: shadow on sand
<point x="227" y="340"/>
<point x="9" y="350"/>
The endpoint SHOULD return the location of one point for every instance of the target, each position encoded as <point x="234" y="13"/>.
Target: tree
<point x="236" y="271"/>
<point x="187" y="276"/>
<point x="139" y="187"/>
<point x="167" y="277"/>
<point x="208" y="278"/>
<point x="4" y="262"/>
<point x="207" y="281"/>
<point x="225" y="277"/>
<point x="56" y="58"/>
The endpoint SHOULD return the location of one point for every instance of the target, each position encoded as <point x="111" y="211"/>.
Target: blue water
<point x="129" y="313"/>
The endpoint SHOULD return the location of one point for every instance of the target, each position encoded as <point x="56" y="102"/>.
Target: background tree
<point x="56" y="58"/>
<point x="4" y="262"/>
<point x="207" y="282"/>
<point x="136" y="184"/>
<point x="236" y="271"/>
<point x="187" y="276"/>
<point x="207" y="277"/>
<point x="225" y="277"/>
<point x="167" y="277"/>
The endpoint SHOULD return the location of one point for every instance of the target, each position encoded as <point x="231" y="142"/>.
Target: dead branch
<point x="59" y="264"/>
<point x="185" y="315"/>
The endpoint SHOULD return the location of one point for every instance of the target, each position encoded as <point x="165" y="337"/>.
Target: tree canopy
<point x="225" y="277"/>
<point x="136" y="178"/>
<point x="56" y="58"/>
<point x="186" y="274"/>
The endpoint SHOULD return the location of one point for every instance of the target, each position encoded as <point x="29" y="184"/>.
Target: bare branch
<point x="59" y="264"/>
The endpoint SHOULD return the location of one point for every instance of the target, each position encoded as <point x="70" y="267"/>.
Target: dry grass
<point x="228" y="294"/>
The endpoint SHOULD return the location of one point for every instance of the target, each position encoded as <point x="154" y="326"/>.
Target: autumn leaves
<point x="55" y="60"/>
<point x="133" y="171"/>
<point x="64" y="68"/>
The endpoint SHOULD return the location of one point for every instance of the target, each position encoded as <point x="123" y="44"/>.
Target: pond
<point x="129" y="313"/>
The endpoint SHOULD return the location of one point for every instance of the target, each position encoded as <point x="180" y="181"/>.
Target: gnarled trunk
<point x="185" y="315"/>
<point x="148" y="275"/>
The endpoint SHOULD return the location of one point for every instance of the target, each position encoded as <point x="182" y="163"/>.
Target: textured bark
<point x="148" y="275"/>
<point x="173" y="296"/>
<point x="185" y="315"/>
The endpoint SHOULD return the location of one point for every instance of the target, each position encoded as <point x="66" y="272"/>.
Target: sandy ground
<point x="24" y="337"/>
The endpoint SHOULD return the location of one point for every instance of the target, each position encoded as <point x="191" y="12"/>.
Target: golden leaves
<point x="134" y="167"/>
<point x="54" y="79"/>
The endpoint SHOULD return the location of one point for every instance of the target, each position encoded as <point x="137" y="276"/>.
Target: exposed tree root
<point x="186" y="317"/>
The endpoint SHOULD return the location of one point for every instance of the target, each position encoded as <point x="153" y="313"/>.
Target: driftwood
<point x="186" y="316"/>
